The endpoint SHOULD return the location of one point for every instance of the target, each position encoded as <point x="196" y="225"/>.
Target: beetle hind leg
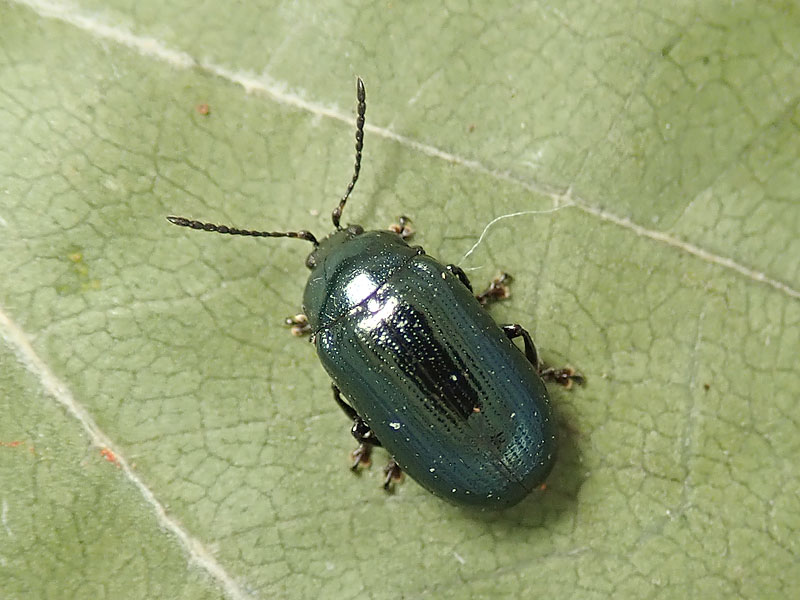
<point x="566" y="376"/>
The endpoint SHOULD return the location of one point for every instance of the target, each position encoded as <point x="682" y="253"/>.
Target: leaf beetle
<point x="417" y="363"/>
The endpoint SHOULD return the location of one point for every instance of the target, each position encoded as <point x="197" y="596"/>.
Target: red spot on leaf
<point x="109" y="456"/>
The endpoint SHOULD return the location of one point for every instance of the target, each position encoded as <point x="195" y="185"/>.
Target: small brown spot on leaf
<point x="109" y="456"/>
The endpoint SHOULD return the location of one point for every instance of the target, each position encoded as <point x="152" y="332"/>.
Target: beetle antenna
<point x="301" y="235"/>
<point x="362" y="109"/>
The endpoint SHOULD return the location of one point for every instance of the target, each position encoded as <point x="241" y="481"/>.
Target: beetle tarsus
<point x="299" y="325"/>
<point x="362" y="456"/>
<point x="393" y="473"/>
<point x="366" y="439"/>
<point x="401" y="228"/>
<point x="566" y="376"/>
<point x="497" y="290"/>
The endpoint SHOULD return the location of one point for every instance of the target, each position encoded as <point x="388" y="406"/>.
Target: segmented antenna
<point x="301" y="235"/>
<point x="362" y="109"/>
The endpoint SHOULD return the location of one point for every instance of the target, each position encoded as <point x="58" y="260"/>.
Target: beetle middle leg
<point x="462" y="277"/>
<point x="360" y="430"/>
<point x="497" y="290"/>
<point x="565" y="376"/>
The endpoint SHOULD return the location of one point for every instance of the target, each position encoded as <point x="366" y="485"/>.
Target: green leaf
<point x="164" y="436"/>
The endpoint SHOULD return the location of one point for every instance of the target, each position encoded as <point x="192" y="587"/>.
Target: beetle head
<point x="328" y="244"/>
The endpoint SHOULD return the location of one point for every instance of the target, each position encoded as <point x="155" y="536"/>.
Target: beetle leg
<point x="361" y="456"/>
<point x="393" y="472"/>
<point x="401" y="228"/>
<point x="565" y="376"/>
<point x="299" y="325"/>
<point x="360" y="430"/>
<point x="497" y="290"/>
<point x="459" y="272"/>
<point x="348" y="410"/>
<point x="516" y="330"/>
<point x="366" y="442"/>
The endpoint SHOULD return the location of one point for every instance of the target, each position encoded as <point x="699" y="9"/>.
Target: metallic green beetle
<point x="425" y="371"/>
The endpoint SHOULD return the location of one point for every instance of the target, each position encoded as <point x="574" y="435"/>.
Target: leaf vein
<point x="198" y="554"/>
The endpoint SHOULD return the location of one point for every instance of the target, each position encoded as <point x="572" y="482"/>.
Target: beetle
<point x="417" y="363"/>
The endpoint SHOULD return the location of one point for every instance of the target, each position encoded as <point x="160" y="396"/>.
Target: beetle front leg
<point x="360" y="430"/>
<point x="565" y="376"/>
<point x="401" y="228"/>
<point x="299" y="325"/>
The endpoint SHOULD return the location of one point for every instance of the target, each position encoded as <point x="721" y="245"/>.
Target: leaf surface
<point x="665" y="138"/>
